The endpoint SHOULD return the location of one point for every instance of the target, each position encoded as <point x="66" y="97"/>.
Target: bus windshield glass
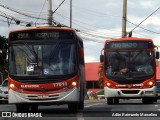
<point x="56" y="58"/>
<point x="133" y="64"/>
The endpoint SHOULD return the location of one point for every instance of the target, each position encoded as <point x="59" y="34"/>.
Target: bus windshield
<point x="42" y="59"/>
<point x="124" y="65"/>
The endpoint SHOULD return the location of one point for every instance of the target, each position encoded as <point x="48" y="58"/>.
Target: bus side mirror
<point x="101" y="58"/>
<point x="157" y="55"/>
<point x="3" y="53"/>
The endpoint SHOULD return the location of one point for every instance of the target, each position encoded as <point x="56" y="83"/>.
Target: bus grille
<point x="130" y="91"/>
<point x="43" y="97"/>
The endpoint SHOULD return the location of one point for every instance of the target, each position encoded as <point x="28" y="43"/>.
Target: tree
<point x="100" y="74"/>
<point x="3" y="42"/>
<point x="3" y="50"/>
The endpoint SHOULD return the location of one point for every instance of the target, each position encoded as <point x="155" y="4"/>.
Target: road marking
<point x="80" y="116"/>
<point x="156" y="105"/>
<point x="93" y="105"/>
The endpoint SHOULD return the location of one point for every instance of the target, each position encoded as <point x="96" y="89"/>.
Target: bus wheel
<point x="155" y="100"/>
<point x="81" y="105"/>
<point x="116" y="100"/>
<point x="34" y="108"/>
<point x="73" y="107"/>
<point x="151" y="100"/>
<point x="147" y="100"/>
<point x="109" y="101"/>
<point x="144" y="100"/>
<point x="22" y="108"/>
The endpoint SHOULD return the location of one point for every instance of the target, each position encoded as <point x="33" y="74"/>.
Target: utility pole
<point x="70" y="13"/>
<point x="50" y="12"/>
<point x="124" y="18"/>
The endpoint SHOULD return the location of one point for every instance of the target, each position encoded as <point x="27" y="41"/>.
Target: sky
<point x="97" y="20"/>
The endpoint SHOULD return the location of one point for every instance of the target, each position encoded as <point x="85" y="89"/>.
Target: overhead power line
<point x="143" y="27"/>
<point x="145" y="19"/>
<point x="21" y="13"/>
<point x="41" y="10"/>
<point x="58" y="6"/>
<point x="90" y="11"/>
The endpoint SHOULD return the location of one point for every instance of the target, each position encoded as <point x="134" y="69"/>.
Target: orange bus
<point x="46" y="66"/>
<point x="129" y="69"/>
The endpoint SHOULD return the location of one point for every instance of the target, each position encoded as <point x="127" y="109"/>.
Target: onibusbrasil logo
<point x="14" y="114"/>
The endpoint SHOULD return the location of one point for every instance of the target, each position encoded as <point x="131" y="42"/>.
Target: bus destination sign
<point x="41" y="35"/>
<point x="129" y="45"/>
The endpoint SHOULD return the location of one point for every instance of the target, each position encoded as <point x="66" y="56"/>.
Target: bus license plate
<point x="42" y="96"/>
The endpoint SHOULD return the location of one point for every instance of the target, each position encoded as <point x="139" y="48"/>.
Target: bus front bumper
<point x="130" y="93"/>
<point x="63" y="97"/>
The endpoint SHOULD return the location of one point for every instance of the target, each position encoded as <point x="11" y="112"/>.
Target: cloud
<point x="90" y="59"/>
<point x="102" y="18"/>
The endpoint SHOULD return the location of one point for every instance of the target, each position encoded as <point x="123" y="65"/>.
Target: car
<point x="157" y="91"/>
<point x="4" y="91"/>
<point x="100" y="94"/>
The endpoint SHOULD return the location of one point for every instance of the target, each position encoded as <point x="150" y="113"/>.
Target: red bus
<point x="129" y="69"/>
<point x="46" y="66"/>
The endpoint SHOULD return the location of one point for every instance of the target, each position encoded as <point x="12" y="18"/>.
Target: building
<point x="158" y="70"/>
<point x="91" y="72"/>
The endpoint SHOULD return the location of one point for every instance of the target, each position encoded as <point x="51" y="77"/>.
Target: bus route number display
<point x="41" y="35"/>
<point x="124" y="45"/>
<point x="38" y="35"/>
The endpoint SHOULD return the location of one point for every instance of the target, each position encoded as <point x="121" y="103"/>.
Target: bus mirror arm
<point x="157" y="55"/>
<point x="101" y="58"/>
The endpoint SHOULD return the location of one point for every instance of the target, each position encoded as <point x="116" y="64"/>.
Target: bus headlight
<point x="74" y="84"/>
<point x="109" y="84"/>
<point x="150" y="83"/>
<point x="12" y="86"/>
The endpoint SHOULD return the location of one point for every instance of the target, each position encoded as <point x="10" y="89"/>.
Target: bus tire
<point x="155" y="100"/>
<point x="148" y="100"/>
<point x="144" y="100"/>
<point x="73" y="107"/>
<point x="34" y="108"/>
<point x="22" y="108"/>
<point x="109" y="101"/>
<point x="116" y="100"/>
<point x="18" y="108"/>
<point x="81" y="105"/>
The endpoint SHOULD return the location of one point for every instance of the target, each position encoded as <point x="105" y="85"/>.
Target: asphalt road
<point x="95" y="110"/>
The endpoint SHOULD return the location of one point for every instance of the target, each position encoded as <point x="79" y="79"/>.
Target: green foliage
<point x="3" y="61"/>
<point x="101" y="92"/>
<point x="100" y="73"/>
<point x="3" y="42"/>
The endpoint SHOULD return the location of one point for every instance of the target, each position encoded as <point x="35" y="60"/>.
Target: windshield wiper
<point x="32" y="51"/>
<point x="137" y="55"/>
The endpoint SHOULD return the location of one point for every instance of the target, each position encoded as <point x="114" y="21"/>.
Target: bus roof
<point x="44" y="28"/>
